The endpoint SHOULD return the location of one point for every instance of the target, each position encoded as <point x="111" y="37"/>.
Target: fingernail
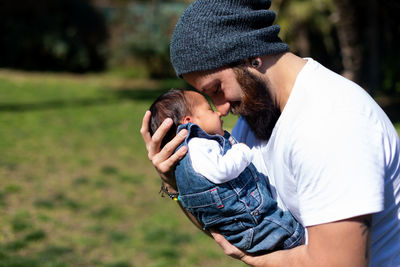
<point x="183" y="133"/>
<point x="184" y="149"/>
<point x="168" y="121"/>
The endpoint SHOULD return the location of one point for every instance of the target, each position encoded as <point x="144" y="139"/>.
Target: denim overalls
<point x="242" y="209"/>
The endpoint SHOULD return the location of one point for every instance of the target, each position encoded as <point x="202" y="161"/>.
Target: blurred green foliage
<point x="360" y="37"/>
<point x="145" y="30"/>
<point x="63" y="35"/>
<point x="356" y="38"/>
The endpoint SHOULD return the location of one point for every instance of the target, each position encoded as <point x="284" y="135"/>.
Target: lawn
<point x="76" y="186"/>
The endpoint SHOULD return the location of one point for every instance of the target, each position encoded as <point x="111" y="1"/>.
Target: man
<point x="330" y="152"/>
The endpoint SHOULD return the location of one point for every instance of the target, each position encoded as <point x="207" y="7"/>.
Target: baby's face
<point x="203" y="114"/>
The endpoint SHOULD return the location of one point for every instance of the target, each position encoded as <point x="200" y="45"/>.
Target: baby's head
<point x="184" y="106"/>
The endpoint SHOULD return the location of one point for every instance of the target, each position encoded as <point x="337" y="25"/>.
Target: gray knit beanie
<point x="214" y="33"/>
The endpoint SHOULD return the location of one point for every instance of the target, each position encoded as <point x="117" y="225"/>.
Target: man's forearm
<point x="342" y="243"/>
<point x="194" y="220"/>
<point x="293" y="257"/>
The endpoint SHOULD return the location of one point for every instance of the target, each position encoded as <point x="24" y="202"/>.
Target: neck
<point x="280" y="73"/>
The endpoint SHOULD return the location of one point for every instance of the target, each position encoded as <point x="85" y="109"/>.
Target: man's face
<point x="240" y="92"/>
<point x="221" y="86"/>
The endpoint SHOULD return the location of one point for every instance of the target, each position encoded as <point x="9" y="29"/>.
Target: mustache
<point x="236" y="107"/>
<point x="248" y="109"/>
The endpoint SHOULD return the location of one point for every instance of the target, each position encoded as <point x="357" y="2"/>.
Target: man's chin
<point x="234" y="112"/>
<point x="261" y="122"/>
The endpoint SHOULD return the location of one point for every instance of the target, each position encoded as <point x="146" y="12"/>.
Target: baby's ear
<point x="186" y="119"/>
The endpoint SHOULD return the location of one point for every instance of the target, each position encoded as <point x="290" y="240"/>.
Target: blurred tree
<point x="308" y="26"/>
<point x="387" y="43"/>
<point x="357" y="38"/>
<point x="65" y="35"/>
<point x="140" y="35"/>
<point x="346" y="24"/>
<point x="373" y="56"/>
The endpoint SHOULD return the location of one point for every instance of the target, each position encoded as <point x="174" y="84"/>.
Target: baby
<point x="216" y="180"/>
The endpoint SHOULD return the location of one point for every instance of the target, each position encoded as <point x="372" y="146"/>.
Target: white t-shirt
<point x="208" y="159"/>
<point x="332" y="155"/>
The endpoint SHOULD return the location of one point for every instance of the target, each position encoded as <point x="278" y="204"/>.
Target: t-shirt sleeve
<point x="208" y="159"/>
<point x="339" y="172"/>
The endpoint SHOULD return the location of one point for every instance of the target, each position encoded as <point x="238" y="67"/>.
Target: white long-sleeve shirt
<point x="208" y="159"/>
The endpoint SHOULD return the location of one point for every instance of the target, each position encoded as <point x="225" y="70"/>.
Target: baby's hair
<point x="172" y="104"/>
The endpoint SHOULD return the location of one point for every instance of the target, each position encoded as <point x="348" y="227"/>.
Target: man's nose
<point x="223" y="108"/>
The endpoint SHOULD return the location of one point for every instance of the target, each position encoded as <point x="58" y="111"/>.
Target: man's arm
<point x="164" y="160"/>
<point x="342" y="243"/>
<point x="194" y="220"/>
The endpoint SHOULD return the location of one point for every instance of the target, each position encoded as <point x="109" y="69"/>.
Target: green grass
<point x="77" y="188"/>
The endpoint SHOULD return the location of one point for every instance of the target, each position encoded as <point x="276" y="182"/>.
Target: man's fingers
<point x="228" y="248"/>
<point x="163" y="160"/>
<point x="220" y="239"/>
<point x="223" y="243"/>
<point x="144" y="130"/>
<point x="170" y="147"/>
<point x="166" y="158"/>
<point x="170" y="162"/>
<point x="153" y="147"/>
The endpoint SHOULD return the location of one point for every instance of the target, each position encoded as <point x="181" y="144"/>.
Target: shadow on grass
<point x="158" y="242"/>
<point x="49" y="256"/>
<point x="110" y="97"/>
<point x="142" y="94"/>
<point x="390" y="106"/>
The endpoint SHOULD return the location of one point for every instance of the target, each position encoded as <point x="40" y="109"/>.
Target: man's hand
<point x="228" y="248"/>
<point x="163" y="160"/>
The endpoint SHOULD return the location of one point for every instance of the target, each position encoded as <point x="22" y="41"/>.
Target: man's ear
<point x="256" y="62"/>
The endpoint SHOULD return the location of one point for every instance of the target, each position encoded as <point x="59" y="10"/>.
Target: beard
<point x="257" y="105"/>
